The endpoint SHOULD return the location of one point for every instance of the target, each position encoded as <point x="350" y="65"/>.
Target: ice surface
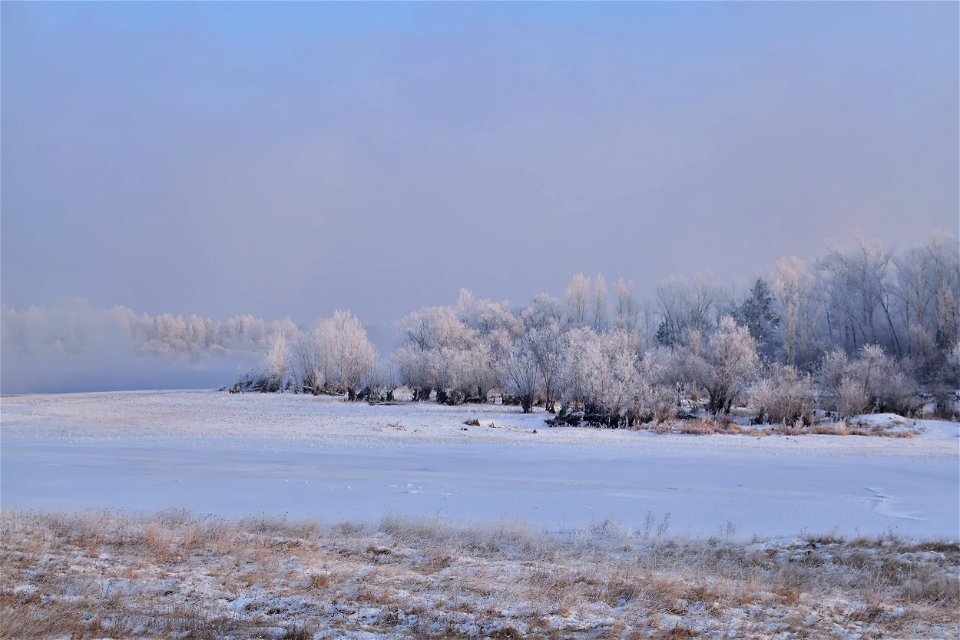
<point x="304" y="456"/>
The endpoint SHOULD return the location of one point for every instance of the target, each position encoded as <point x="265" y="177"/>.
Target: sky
<point x="291" y="159"/>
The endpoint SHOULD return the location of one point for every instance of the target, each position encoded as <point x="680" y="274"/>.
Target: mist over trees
<point x="859" y="329"/>
<point x="74" y="347"/>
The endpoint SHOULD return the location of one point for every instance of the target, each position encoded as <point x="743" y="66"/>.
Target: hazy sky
<point x="292" y="159"/>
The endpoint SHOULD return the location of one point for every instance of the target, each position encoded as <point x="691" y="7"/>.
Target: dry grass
<point x="710" y="426"/>
<point x="94" y="575"/>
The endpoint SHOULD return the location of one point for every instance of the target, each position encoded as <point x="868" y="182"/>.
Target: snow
<point x="412" y="577"/>
<point x="320" y="457"/>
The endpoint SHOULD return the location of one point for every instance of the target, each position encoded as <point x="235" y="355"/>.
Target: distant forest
<point x="857" y="330"/>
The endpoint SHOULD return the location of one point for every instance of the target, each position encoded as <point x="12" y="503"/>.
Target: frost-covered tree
<point x="434" y="328"/>
<point x="336" y="356"/>
<point x="426" y="359"/>
<point x="603" y="377"/>
<point x="546" y="345"/>
<point x="621" y="380"/>
<point x="584" y="365"/>
<point x="416" y="368"/>
<point x="731" y="364"/>
<point x="451" y="350"/>
<point x="311" y="361"/>
<point x="543" y="310"/>
<point x="353" y="354"/>
<point x="758" y="315"/>
<point x="489" y="317"/>
<point x="381" y="383"/>
<point x="482" y="371"/>
<point x="247" y="330"/>
<point x="521" y="376"/>
<point x="908" y="305"/>
<point x="277" y="362"/>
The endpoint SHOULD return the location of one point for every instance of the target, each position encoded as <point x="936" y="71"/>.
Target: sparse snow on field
<point x="320" y="457"/>
<point x="172" y="576"/>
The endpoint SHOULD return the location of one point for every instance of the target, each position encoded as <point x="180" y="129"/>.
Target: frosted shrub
<point x="852" y="396"/>
<point x="656" y="395"/>
<point x="785" y="395"/>
<point x="661" y="403"/>
<point x="871" y="381"/>
<point x="833" y="367"/>
<point x="889" y="387"/>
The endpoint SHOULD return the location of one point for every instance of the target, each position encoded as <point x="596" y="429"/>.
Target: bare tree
<point x="546" y="345"/>
<point x="599" y="303"/>
<point x="576" y="300"/>
<point x="626" y="306"/>
<point x="685" y="306"/>
<point x="859" y="284"/>
<point x="793" y="285"/>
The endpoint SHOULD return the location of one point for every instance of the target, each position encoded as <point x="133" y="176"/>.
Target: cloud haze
<point x="292" y="159"/>
<point x="74" y="347"/>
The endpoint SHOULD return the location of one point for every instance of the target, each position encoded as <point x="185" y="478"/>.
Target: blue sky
<point x="292" y="159"/>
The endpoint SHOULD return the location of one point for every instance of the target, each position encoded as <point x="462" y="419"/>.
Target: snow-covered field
<point x="322" y="458"/>
<point x="301" y="517"/>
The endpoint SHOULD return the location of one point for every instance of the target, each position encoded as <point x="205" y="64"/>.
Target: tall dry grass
<point x="175" y="576"/>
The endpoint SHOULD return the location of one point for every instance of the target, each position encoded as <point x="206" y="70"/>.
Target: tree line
<point x="859" y="329"/>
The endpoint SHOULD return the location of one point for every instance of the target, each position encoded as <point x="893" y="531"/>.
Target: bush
<point x="852" y="396"/>
<point x="872" y="381"/>
<point x="888" y="388"/>
<point x="784" y="395"/>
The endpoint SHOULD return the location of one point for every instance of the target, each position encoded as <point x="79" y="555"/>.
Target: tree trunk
<point x="526" y="402"/>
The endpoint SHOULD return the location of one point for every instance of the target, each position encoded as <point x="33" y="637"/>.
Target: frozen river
<point x="55" y="456"/>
